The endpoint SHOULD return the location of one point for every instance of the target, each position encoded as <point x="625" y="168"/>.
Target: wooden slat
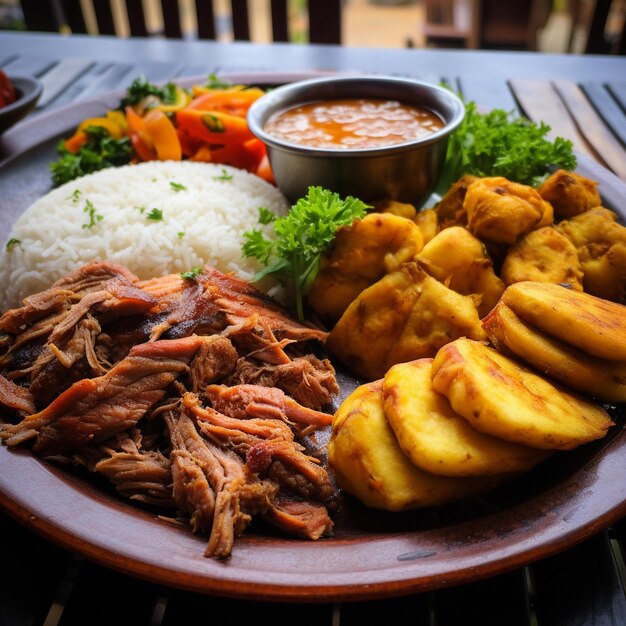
<point x="104" y="17"/>
<point x="115" y="77"/>
<point x="241" y="20"/>
<point x="618" y="91"/>
<point x="60" y="78"/>
<point x="136" y="18"/>
<point x="540" y="102"/>
<point x="592" y="127"/>
<point x="325" y="21"/>
<point x="171" y="19"/>
<point x="74" y="16"/>
<point x="607" y="107"/>
<point x="580" y="587"/>
<point x="487" y="93"/>
<point x="406" y="611"/>
<point x="30" y="65"/>
<point x="205" y="18"/>
<point x="280" y="20"/>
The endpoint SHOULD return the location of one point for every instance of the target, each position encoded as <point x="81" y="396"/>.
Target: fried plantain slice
<point x="437" y="439"/>
<point x="591" y="324"/>
<point x="368" y="462"/>
<point x="604" y="380"/>
<point x="504" y="399"/>
<point x="404" y="316"/>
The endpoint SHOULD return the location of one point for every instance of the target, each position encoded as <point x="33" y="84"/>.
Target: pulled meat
<point x="193" y="395"/>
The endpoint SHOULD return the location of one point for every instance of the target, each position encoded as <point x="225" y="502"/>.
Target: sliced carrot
<point x="76" y="141"/>
<point x="214" y="127"/>
<point x="141" y="149"/>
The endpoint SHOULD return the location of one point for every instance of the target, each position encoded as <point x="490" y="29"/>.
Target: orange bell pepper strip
<point x="76" y="141"/>
<point x="141" y="142"/>
<point x="234" y="154"/>
<point x="233" y="102"/>
<point x="214" y="127"/>
<point x="161" y="131"/>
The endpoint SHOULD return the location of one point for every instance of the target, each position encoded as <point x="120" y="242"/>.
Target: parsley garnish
<point x="266" y="216"/>
<point x="301" y="237"/>
<point x="12" y="243"/>
<point x="155" y="214"/>
<point x="94" y="217"/>
<point x="75" y="196"/>
<point x="213" y="123"/>
<point x="140" y="89"/>
<point x="193" y="273"/>
<point x="180" y="234"/>
<point x="99" y="152"/>
<point x="498" y="143"/>
<point x="177" y="186"/>
<point x="223" y="176"/>
<point x="213" y="82"/>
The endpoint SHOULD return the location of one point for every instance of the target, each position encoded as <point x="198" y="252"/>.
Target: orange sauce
<point x="353" y="123"/>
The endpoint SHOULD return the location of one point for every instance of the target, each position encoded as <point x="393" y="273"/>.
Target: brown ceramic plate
<point x="373" y="554"/>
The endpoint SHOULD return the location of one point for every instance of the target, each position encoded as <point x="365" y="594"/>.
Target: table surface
<point x="44" y="584"/>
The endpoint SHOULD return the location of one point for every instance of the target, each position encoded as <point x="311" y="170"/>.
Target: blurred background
<point x="546" y="25"/>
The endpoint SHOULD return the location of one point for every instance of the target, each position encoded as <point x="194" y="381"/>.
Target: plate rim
<point x="33" y="132"/>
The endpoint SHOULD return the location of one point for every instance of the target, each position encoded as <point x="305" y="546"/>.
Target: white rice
<point x="202" y="223"/>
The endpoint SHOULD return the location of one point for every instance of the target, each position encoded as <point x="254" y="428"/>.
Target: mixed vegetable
<point x="204" y="123"/>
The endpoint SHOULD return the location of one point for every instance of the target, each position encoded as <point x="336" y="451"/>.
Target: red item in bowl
<point x="7" y="91"/>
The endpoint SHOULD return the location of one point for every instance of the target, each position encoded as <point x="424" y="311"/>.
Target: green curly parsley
<point x="301" y="237"/>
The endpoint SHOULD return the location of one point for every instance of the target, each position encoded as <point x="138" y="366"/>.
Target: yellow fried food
<point x="428" y="222"/>
<point x="543" y="255"/>
<point x="605" y="380"/>
<point x="359" y="256"/>
<point x="404" y="316"/>
<point x="569" y="194"/>
<point x="437" y="439"/>
<point x="456" y="258"/>
<point x="601" y="246"/>
<point x="450" y="208"/>
<point x="401" y="209"/>
<point x="593" y="325"/>
<point x="368" y="463"/>
<point x="500" y="210"/>
<point x="500" y="397"/>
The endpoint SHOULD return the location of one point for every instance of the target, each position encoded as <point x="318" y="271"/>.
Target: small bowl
<point x="407" y="172"/>
<point x="28" y="91"/>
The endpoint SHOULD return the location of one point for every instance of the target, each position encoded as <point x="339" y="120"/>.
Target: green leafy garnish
<point x="155" y="214"/>
<point x="99" y="152"/>
<point x="498" y="143"/>
<point x="213" y="82"/>
<point x="140" y="89"/>
<point x="266" y="216"/>
<point x="224" y="176"/>
<point x="180" y="234"/>
<point x="177" y="186"/>
<point x="94" y="217"/>
<point x="193" y="273"/>
<point x="301" y="237"/>
<point x="12" y="243"/>
<point x="75" y="196"/>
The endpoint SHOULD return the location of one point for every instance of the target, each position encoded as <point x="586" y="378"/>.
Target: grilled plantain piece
<point x="437" y="439"/>
<point x="594" y="325"/>
<point x="502" y="398"/>
<point x="605" y="380"/>
<point x="404" y="316"/>
<point x="457" y="259"/>
<point x="368" y="462"/>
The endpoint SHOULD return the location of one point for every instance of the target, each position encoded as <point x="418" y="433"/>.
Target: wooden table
<point x="45" y="584"/>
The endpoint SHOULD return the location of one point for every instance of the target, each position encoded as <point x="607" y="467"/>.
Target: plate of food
<point x="208" y="386"/>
